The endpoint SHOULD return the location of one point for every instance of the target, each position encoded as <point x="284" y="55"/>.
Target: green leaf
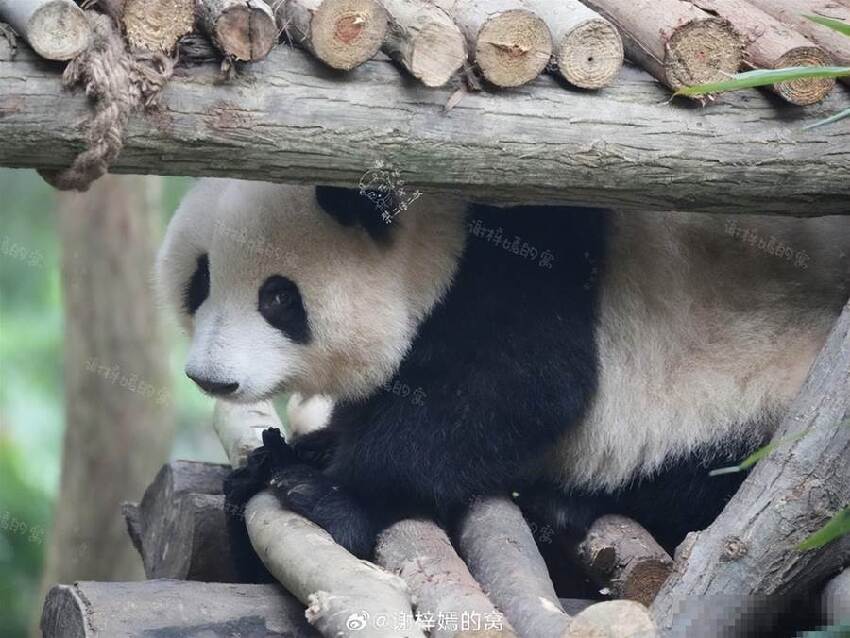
<point x="758" y="455"/>
<point x="838" y="526"/>
<point x="832" y="119"/>
<point x="832" y="23"/>
<point x="766" y="77"/>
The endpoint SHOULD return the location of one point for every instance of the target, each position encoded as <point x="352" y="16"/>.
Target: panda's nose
<point x="216" y="388"/>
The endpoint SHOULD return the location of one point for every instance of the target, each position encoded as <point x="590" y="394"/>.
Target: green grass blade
<point x="837" y="527"/>
<point x="830" y="120"/>
<point x="832" y="23"/>
<point x="758" y="455"/>
<point x="766" y="77"/>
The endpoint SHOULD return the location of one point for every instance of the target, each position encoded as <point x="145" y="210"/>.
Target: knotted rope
<point x="120" y="82"/>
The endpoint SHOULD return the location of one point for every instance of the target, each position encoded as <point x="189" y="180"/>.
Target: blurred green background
<point x="31" y="393"/>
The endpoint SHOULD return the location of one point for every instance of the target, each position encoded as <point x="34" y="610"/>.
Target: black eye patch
<point x="281" y="305"/>
<point x="198" y="288"/>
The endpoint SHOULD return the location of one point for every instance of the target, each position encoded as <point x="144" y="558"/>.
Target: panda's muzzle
<point x="215" y="388"/>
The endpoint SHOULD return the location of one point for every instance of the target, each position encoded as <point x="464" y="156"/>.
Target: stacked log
<point x="588" y="49"/>
<point x="341" y="33"/>
<point x="56" y="29"/>
<point x="509" y="43"/>
<point x="425" y="40"/>
<point x="676" y="42"/>
<point x="154" y="25"/>
<point x="794" y="12"/>
<point x="770" y="44"/>
<point x="245" y="30"/>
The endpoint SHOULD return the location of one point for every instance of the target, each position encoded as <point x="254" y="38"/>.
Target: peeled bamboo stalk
<point x="425" y="40"/>
<point x="770" y="44"/>
<point x="341" y="33"/>
<point x="243" y="29"/>
<point x="588" y="48"/>
<point x="676" y="42"/>
<point x="794" y="12"/>
<point x="55" y="29"/>
<point x="509" y="43"/>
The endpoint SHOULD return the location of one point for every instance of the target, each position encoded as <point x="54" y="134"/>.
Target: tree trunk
<point x="746" y="155"/>
<point x="117" y="425"/>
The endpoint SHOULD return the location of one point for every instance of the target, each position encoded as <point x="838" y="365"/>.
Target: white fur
<point x="364" y="301"/>
<point x="307" y="414"/>
<point x="701" y="335"/>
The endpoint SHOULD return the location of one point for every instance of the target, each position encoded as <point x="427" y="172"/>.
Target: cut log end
<point x="513" y="47"/>
<point x="702" y="51"/>
<point x="591" y="55"/>
<point x="437" y="54"/>
<point x="247" y="32"/>
<point x="346" y="33"/>
<point x="157" y="25"/>
<point x="806" y="91"/>
<point x="59" y="30"/>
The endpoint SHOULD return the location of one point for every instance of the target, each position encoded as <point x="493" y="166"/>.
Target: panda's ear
<point x="353" y="207"/>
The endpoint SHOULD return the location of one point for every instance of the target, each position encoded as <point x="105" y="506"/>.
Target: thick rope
<point x="120" y="83"/>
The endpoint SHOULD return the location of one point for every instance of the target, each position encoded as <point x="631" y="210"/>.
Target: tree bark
<point x="770" y="44"/>
<point x="751" y="548"/>
<point x="341" y="33"/>
<point x="56" y="29"/>
<point x="510" y="44"/>
<point x="553" y="146"/>
<point x="172" y="608"/>
<point x="794" y="12"/>
<point x="588" y="49"/>
<point x="118" y="429"/>
<point x="622" y="556"/>
<point x="425" y="40"/>
<point x="421" y="553"/>
<point x="676" y="42"/>
<point x="243" y="29"/>
<point x="180" y="527"/>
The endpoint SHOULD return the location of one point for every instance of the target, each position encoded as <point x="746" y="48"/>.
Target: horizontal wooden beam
<point x="289" y="118"/>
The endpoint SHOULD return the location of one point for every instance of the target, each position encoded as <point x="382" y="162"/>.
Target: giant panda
<point x="584" y="361"/>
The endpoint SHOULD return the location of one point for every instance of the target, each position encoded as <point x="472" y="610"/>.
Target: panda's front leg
<point x="294" y="474"/>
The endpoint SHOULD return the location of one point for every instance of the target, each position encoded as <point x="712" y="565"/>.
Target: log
<point x="622" y="556"/>
<point x="341" y="33"/>
<point x="770" y="44"/>
<point x="425" y="40"/>
<point x="337" y="588"/>
<point x="180" y="527"/>
<point x="751" y="549"/>
<point x="499" y="548"/>
<point x="836" y="600"/>
<point x="421" y="553"/>
<point x="171" y="608"/>
<point x="240" y="427"/>
<point x="242" y="29"/>
<point x="588" y="49"/>
<point x="56" y="29"/>
<point x="625" y="147"/>
<point x="794" y="12"/>
<point x="509" y="43"/>
<point x="156" y="25"/>
<point x="676" y="42"/>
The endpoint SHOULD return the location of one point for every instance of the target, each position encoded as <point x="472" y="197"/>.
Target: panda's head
<point x="295" y="288"/>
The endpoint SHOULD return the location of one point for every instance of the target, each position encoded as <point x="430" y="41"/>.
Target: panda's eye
<point x="198" y="288"/>
<point x="281" y="306"/>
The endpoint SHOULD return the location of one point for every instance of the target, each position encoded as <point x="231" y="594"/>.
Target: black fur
<point x="364" y="208"/>
<point x="198" y="288"/>
<point x="280" y="304"/>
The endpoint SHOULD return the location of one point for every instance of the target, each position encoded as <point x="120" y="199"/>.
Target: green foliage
<point x="758" y="455"/>
<point x="837" y="527"/>
<point x="833" y="631"/>
<point x="832" y="23"/>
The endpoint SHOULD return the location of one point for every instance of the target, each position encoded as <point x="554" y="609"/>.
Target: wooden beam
<point x="288" y="118"/>
<point x="171" y="608"/>
<point x="750" y="552"/>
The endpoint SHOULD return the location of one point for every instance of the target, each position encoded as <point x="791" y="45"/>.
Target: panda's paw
<point x="306" y="491"/>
